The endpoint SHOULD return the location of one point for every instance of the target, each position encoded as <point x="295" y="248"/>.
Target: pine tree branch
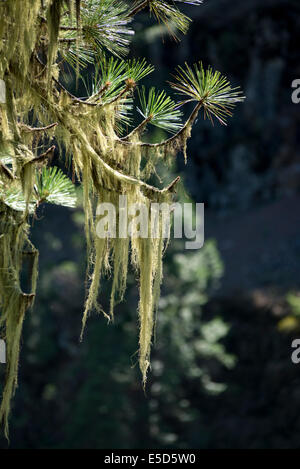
<point x="138" y="8"/>
<point x="114" y="173"/>
<point x="7" y="172"/>
<point x="28" y="299"/>
<point x="188" y="123"/>
<point x="67" y="40"/>
<point x="171" y="186"/>
<point x="46" y="155"/>
<point x="130" y="85"/>
<point x="27" y="128"/>
<point x="121" y="176"/>
<point x="138" y="129"/>
<point x="74" y="98"/>
<point x="99" y="93"/>
<point x="69" y="28"/>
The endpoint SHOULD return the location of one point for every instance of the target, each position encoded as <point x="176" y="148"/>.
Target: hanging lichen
<point x="37" y="39"/>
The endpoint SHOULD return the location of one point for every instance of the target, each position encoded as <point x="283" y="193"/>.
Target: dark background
<point x="222" y="375"/>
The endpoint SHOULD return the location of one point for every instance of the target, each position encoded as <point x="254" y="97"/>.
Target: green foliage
<point x="14" y="198"/>
<point x="137" y="69"/>
<point x="78" y="381"/>
<point x="54" y="187"/>
<point x="109" y="75"/>
<point x="191" y="279"/>
<point x="169" y="14"/>
<point x="159" y="109"/>
<point x="45" y="35"/>
<point x="77" y="55"/>
<point x="210" y="88"/>
<point x="104" y="26"/>
<point x="107" y="84"/>
<point x="51" y="186"/>
<point x="294" y="303"/>
<point x="290" y="323"/>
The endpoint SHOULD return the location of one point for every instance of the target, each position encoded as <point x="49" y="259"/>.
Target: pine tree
<point x="39" y="39"/>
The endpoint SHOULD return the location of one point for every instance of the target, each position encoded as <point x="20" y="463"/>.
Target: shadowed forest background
<point x="222" y="375"/>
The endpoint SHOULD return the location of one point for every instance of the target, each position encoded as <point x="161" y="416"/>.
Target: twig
<point x="121" y="176"/>
<point x="46" y="155"/>
<point x="82" y="138"/>
<point x="69" y="28"/>
<point x="171" y="186"/>
<point x="130" y="84"/>
<point x="28" y="299"/>
<point x="6" y="171"/>
<point x="101" y="91"/>
<point x="139" y="8"/>
<point x="74" y="98"/>
<point x="139" y="128"/>
<point x="38" y="129"/>
<point x="67" y="39"/>
<point x="174" y="137"/>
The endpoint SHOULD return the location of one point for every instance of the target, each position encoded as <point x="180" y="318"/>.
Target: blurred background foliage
<point x="221" y="373"/>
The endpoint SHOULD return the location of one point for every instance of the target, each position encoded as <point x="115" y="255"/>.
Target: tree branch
<point x="171" y="186"/>
<point x="121" y="176"/>
<point x="46" y="155"/>
<point x="139" y="8"/>
<point x="69" y="28"/>
<point x="99" y="93"/>
<point x="130" y="84"/>
<point x="138" y="129"/>
<point x="7" y="172"/>
<point x="27" y="128"/>
<point x="74" y="98"/>
<point x="67" y="39"/>
<point x="174" y="137"/>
